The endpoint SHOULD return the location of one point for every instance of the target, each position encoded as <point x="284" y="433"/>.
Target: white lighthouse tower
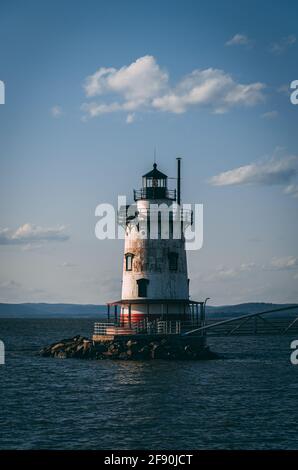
<point x="155" y="284"/>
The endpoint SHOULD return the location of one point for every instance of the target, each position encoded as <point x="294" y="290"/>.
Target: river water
<point x="246" y="400"/>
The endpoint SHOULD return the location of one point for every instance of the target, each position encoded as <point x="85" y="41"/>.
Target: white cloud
<point x="292" y="189"/>
<point x="32" y="234"/>
<point x="285" y="89"/>
<point x="288" y="262"/>
<point x="144" y="85"/>
<point x="14" y="291"/>
<point x="130" y="118"/>
<point x="10" y="285"/>
<point x="239" y="40"/>
<point x="270" y="115"/>
<point x="281" y="46"/>
<point x="274" y="171"/>
<point x="136" y="84"/>
<point x="220" y="273"/>
<point x="247" y="266"/>
<point x="209" y="87"/>
<point x="67" y="264"/>
<point x="212" y="88"/>
<point x="56" y="111"/>
<point x="94" y="109"/>
<point x="224" y="273"/>
<point x="138" y="81"/>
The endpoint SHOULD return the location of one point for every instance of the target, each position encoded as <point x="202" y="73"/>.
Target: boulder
<point x="56" y="347"/>
<point x="61" y="354"/>
<point x="123" y="355"/>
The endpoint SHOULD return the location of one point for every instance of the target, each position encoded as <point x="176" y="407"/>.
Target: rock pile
<point x="127" y="349"/>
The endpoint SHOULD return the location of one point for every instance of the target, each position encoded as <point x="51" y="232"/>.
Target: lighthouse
<point x="155" y="283"/>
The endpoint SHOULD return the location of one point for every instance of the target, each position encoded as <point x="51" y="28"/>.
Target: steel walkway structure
<point x="280" y="325"/>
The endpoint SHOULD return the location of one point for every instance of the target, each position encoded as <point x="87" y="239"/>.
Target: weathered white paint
<point x="151" y="262"/>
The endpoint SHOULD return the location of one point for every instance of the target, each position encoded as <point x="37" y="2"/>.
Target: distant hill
<point x="252" y="307"/>
<point x="44" y="310"/>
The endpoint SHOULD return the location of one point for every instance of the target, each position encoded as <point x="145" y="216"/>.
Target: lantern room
<point x="155" y="186"/>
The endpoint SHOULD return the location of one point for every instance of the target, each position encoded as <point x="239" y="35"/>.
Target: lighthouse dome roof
<point x="155" y="173"/>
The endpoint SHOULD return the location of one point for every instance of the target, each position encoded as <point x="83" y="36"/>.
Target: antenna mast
<point x="178" y="180"/>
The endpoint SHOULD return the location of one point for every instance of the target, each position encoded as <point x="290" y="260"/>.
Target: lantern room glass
<point x="149" y="182"/>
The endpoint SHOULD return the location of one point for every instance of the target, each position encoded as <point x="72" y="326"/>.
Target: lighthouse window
<point x="173" y="261"/>
<point x="142" y="287"/>
<point x="128" y="261"/>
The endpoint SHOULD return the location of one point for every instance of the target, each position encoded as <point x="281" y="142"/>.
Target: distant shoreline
<point x="61" y="310"/>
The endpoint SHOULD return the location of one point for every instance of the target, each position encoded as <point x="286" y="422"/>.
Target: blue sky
<point x="208" y="80"/>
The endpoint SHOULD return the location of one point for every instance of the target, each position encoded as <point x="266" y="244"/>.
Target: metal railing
<point x="216" y="327"/>
<point x="100" y="328"/>
<point x="156" y="327"/>
<point x="131" y="214"/>
<point x="270" y="325"/>
<point x="168" y="327"/>
<point x="254" y="326"/>
<point x="154" y="193"/>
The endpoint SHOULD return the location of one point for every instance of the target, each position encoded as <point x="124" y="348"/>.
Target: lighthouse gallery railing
<point x="128" y="214"/>
<point x="159" y="327"/>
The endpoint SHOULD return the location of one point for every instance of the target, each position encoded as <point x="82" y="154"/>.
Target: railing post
<point x="202" y="322"/>
<point x="129" y="315"/>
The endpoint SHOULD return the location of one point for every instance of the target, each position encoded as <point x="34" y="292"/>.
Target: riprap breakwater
<point x="125" y="348"/>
